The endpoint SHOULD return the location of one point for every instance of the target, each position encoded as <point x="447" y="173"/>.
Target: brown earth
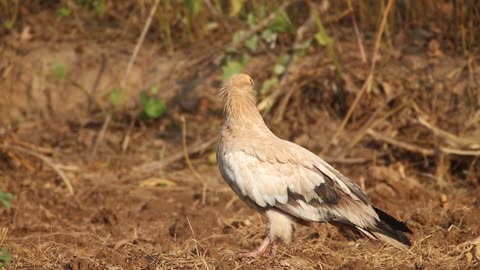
<point x="136" y="203"/>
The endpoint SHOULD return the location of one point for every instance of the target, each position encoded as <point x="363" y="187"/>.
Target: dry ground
<point x="137" y="205"/>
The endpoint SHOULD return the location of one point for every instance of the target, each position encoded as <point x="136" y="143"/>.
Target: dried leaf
<point x="153" y="182"/>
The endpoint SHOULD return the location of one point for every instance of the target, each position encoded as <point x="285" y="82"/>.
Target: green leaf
<point x="64" y="12"/>
<point x="6" y="199"/>
<point x="193" y="6"/>
<point x="154" y="89"/>
<point x="231" y="68"/>
<point x="251" y="20"/>
<point x="8" y="24"/>
<point x="281" y="23"/>
<point x="237" y="36"/>
<point x="278" y="69"/>
<point x="323" y="39"/>
<point x="252" y="43"/>
<point x="268" y="84"/>
<point x="58" y="70"/>
<point x="99" y="7"/>
<point x="116" y="96"/>
<point x="235" y="7"/>
<point x="283" y="60"/>
<point x="322" y="36"/>
<point x="153" y="108"/>
<point x="269" y="36"/>
<point x="303" y="46"/>
<point x="5" y="259"/>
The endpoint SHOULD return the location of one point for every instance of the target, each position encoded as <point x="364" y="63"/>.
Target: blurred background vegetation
<point x="312" y="61"/>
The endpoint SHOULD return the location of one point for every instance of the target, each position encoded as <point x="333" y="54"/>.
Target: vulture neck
<point x="241" y="116"/>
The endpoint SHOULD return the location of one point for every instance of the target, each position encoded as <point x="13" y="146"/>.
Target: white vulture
<point x="286" y="182"/>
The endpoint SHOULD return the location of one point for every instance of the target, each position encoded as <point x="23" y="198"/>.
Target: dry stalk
<point x="357" y="34"/>
<point x="157" y="165"/>
<point x="125" y="77"/>
<point x="451" y="138"/>
<point x="368" y="83"/>
<point x="404" y="145"/>
<point x="189" y="162"/>
<point x="3" y="235"/>
<point x="185" y="147"/>
<point x="126" y="139"/>
<point x="45" y="160"/>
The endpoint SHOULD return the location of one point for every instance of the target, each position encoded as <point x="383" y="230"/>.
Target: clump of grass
<point x="6" y="201"/>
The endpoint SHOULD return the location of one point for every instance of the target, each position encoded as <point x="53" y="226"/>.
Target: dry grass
<point x="411" y="139"/>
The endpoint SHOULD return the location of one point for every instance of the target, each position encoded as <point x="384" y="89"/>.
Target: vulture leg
<point x="259" y="251"/>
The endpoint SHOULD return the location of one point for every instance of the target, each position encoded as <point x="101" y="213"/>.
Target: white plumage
<point x="287" y="182"/>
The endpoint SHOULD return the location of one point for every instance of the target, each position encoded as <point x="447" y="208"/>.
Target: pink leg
<point x="258" y="252"/>
<point x="273" y="248"/>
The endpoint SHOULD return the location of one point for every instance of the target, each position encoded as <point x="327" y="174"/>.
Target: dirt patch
<point x="405" y="144"/>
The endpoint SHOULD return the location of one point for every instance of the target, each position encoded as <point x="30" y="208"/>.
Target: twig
<point x="100" y="136"/>
<point x="185" y="148"/>
<point x="463" y="142"/>
<point x="357" y="33"/>
<point x="340" y="160"/>
<point x="46" y="160"/>
<point x="157" y="165"/>
<point x="368" y="83"/>
<point x="419" y="149"/>
<point x="459" y="152"/>
<point x="126" y="139"/>
<point x="400" y="144"/>
<point x="3" y="235"/>
<point x="189" y="162"/>
<point x="91" y="96"/>
<point x="125" y="77"/>
<point x="140" y="41"/>
<point x="373" y="121"/>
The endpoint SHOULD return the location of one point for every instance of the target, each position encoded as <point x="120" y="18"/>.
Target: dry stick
<point x="157" y="165"/>
<point x="91" y="96"/>
<point x="100" y="136"/>
<point x="400" y="144"/>
<point x="185" y="148"/>
<point x="126" y="139"/>
<point x="189" y="162"/>
<point x="46" y="160"/>
<point x="464" y="142"/>
<point x="357" y="33"/>
<point x="372" y="122"/>
<point x="368" y="83"/>
<point x="127" y="72"/>
<point x="3" y="235"/>
<point x="419" y="149"/>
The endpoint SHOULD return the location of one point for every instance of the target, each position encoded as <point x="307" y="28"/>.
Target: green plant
<point x="58" y="71"/>
<point x="193" y="8"/>
<point x="232" y="66"/>
<point x="5" y="259"/>
<point x="11" y="9"/>
<point x="164" y="18"/>
<point x="64" y="12"/>
<point x="152" y="107"/>
<point x="99" y="7"/>
<point x="6" y="199"/>
<point x="116" y="96"/>
<point x="324" y="40"/>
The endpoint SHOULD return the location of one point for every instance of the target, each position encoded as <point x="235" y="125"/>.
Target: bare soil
<point x="136" y="207"/>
